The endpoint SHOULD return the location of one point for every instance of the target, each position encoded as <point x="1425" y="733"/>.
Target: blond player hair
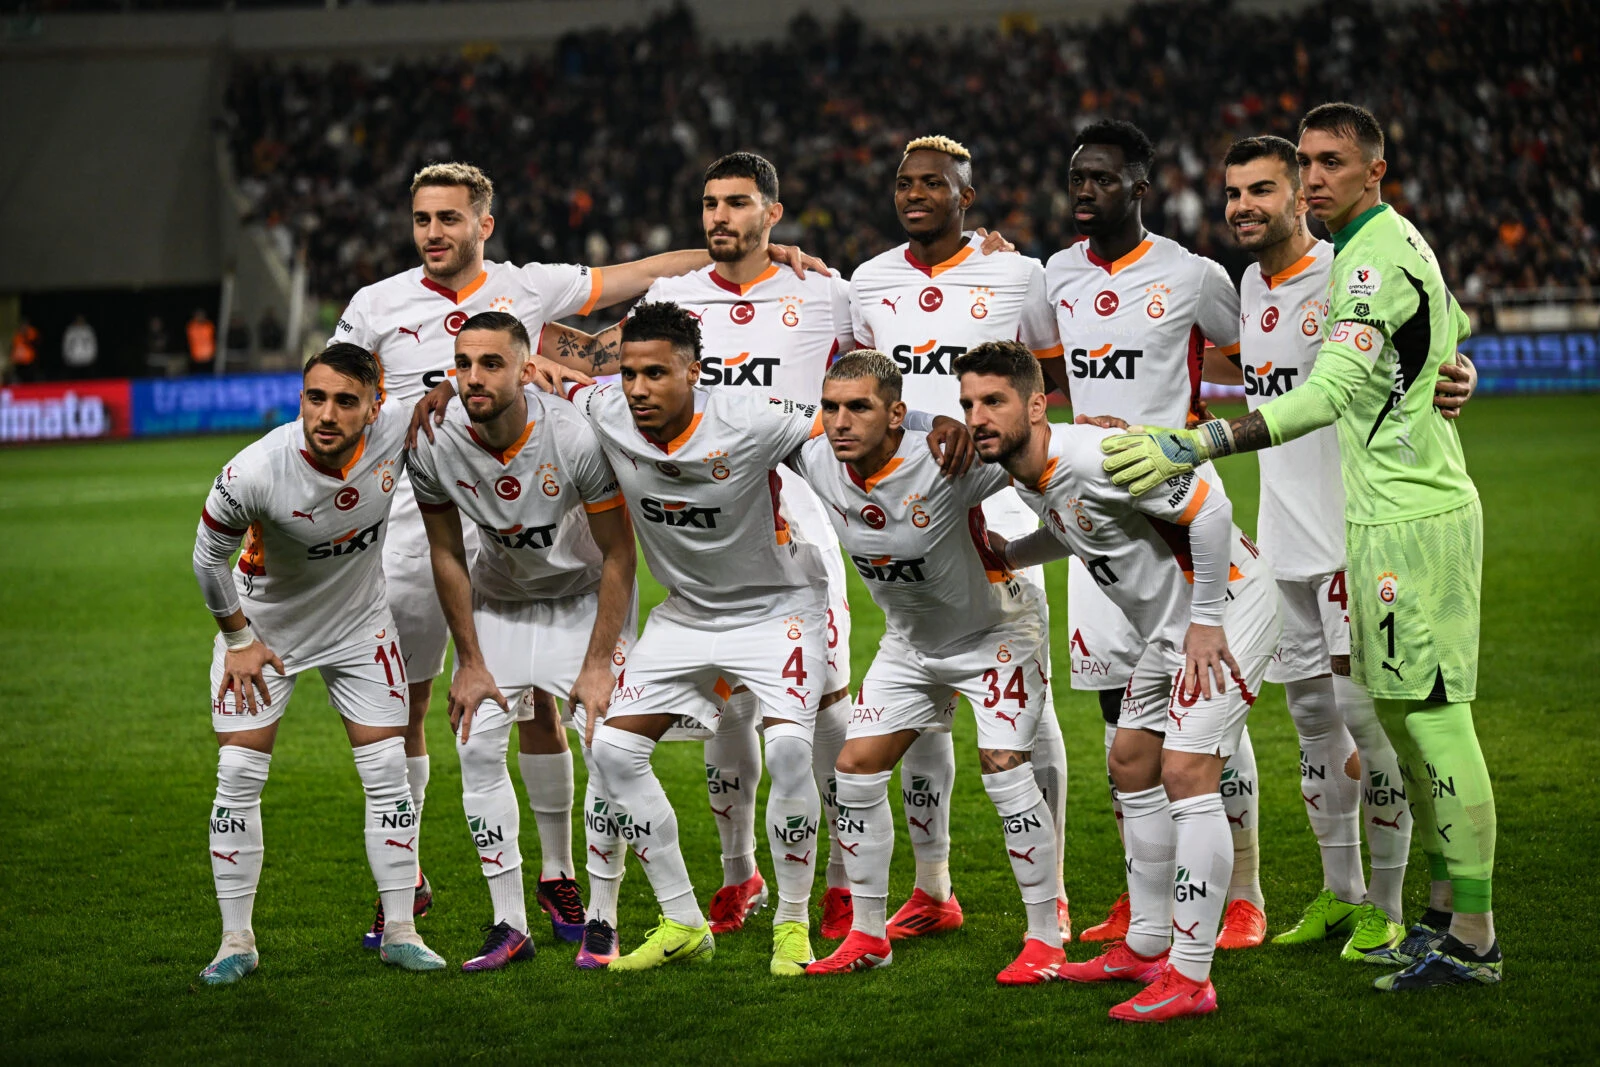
<point x="938" y="142"/>
<point x="480" y="190"/>
<point x="868" y="363"/>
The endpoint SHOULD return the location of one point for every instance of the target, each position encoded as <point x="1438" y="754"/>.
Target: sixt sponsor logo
<point x="743" y="369"/>
<point x="930" y="357"/>
<point x="520" y="536"/>
<point x="678" y="513"/>
<point x="347" y="545"/>
<point x="1268" y="380"/>
<point x="1106" y="361"/>
<point x="885" y="569"/>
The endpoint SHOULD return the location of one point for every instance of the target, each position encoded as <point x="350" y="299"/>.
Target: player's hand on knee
<point x="551" y="376"/>
<point x="951" y="444"/>
<point x="242" y="672"/>
<point x="1105" y="422"/>
<point x="429" y="411"/>
<point x="797" y="261"/>
<point x="471" y="686"/>
<point x="1457" y="382"/>
<point x="1206" y="659"/>
<point x="593" y="690"/>
<point x="994" y="242"/>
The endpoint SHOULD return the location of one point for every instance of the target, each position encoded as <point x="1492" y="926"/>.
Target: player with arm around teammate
<point x="1183" y="575"/>
<point x="957" y="623"/>
<point x="1413" y="525"/>
<point x="311" y="502"/>
<point x="550" y="606"/>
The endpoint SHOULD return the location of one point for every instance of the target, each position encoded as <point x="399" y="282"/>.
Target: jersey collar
<point x="939" y="268"/>
<point x="1111" y="266"/>
<point x="741" y="289"/>
<point x="509" y="453"/>
<point x="1353" y="227"/>
<point x="340" y="473"/>
<point x="1297" y="267"/>
<point x="456" y="296"/>
<point x="869" y="483"/>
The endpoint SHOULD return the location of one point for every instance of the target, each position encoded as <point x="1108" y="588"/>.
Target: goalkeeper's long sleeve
<point x="1339" y="372"/>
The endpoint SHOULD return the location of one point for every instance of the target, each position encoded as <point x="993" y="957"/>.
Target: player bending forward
<point x="549" y="606"/>
<point x="1184" y="576"/>
<point x="957" y="622"/>
<point x="1413" y="525"/>
<point x="313" y="496"/>
<point x="745" y="603"/>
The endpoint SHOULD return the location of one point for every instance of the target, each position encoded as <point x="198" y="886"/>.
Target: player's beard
<point x="451" y="266"/>
<point x="331" y="457"/>
<point x="1008" y="444"/>
<point x="1279" y="228"/>
<point x="929" y="237"/>
<point x="480" y="415"/>
<point x="743" y="243"/>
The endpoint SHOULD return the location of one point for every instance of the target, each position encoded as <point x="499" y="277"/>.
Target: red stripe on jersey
<point x="780" y="528"/>
<point x="1177" y="539"/>
<point x="993" y="565"/>
<point x="228" y="531"/>
<point x="1197" y="348"/>
<point x="833" y="353"/>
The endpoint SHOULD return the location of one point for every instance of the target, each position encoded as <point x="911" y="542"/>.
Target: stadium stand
<point x="597" y="147"/>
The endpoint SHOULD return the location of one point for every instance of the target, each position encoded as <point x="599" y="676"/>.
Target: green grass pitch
<point x="107" y="914"/>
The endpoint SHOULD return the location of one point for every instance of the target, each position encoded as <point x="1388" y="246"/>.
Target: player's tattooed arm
<point x="995" y="760"/>
<point x="1250" y="433"/>
<point x="588" y="353"/>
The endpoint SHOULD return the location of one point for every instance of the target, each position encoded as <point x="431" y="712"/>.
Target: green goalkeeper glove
<point x="1146" y="457"/>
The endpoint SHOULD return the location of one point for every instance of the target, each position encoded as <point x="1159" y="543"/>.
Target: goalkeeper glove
<point x="1146" y="457"/>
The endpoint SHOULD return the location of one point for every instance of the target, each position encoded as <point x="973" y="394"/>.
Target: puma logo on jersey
<point x="1267" y="381"/>
<point x="885" y="569"/>
<point x="678" y="513"/>
<point x="1012" y="719"/>
<point x="306" y="515"/>
<point x="1070" y="305"/>
<point x="471" y="487"/>
<point x="890" y="304"/>
<point x="351" y="543"/>
<point x="416" y="334"/>
<point x="1105" y="362"/>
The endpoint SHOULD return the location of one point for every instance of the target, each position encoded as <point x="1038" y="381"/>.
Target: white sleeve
<point x="1205" y="511"/>
<point x="1035" y="550"/>
<point x="781" y="426"/>
<point x="355" y="324"/>
<point x="423" y="469"/>
<point x="844" y="323"/>
<point x="1218" y="315"/>
<point x="224" y="520"/>
<point x="563" y="288"/>
<point x="858" y="319"/>
<point x="1038" y="330"/>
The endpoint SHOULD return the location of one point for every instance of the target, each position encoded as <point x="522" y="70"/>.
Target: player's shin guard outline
<point x="605" y="853"/>
<point x="392" y="821"/>
<point x="1030" y="839"/>
<point x="1148" y="841"/>
<point x="236" y="836"/>
<point x="644" y="816"/>
<point x="1331" y="796"/>
<point x="793" y="813"/>
<point x="866" y="836"/>
<point x="1203" y="865"/>
<point x="488" y="798"/>
<point x="1049" y="763"/>
<point x="927" y="779"/>
<point x="733" y="773"/>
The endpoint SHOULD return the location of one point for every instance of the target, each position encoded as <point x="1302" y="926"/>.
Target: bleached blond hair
<point x="868" y="363"/>
<point x="480" y="190"/>
<point x="938" y="142"/>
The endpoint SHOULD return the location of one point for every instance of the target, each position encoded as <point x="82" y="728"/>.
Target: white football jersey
<point x="774" y="336"/>
<point x="310" y="576"/>
<point x="530" y="502"/>
<point x="410" y="322"/>
<point x="924" y="317"/>
<point x="1136" y="548"/>
<point x="918" y="541"/>
<point x="1302" y="492"/>
<point x="1133" y="330"/>
<point x="705" y="505"/>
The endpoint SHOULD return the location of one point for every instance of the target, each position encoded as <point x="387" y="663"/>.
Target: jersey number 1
<point x="388" y="656"/>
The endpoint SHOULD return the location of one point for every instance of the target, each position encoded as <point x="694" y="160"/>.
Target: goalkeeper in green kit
<point x="1413" y="525"/>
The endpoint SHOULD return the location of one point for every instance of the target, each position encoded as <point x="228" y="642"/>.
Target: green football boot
<point x="1326" y="916"/>
<point x="1375" y="932"/>
<point x="670" y="942"/>
<point x="791" y="949"/>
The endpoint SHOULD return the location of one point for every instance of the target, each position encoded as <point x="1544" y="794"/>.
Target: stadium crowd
<point x="597" y="150"/>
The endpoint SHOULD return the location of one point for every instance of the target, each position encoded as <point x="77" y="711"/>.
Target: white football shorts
<point x="1316" y="625"/>
<point x="366" y="684"/>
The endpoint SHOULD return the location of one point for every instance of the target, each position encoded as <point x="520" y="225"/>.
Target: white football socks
<point x="793" y="813"/>
<point x="1116" y="798"/>
<point x="1240" y="789"/>
<point x="1332" y="797"/>
<point x="509" y="900"/>
<point x="1205" y="858"/>
<point x="417" y="771"/>
<point x="646" y="820"/>
<point x="1148" y="842"/>
<point x="1049" y="763"/>
<point x="1030" y="845"/>
<point x="236" y="837"/>
<point x="393" y="824"/>
<point x="733" y="774"/>
<point x="866" y="837"/>
<point x="548" y="779"/>
<point x="927" y="775"/>
<point x="832" y="722"/>
<point x="494" y="819"/>
<point x="605" y="854"/>
<point x="1387" y="815"/>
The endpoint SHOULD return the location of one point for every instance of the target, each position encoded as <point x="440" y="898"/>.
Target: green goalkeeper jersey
<point x="1391" y="322"/>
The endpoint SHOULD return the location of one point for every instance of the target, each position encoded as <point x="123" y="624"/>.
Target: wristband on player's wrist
<point x="1216" y="436"/>
<point x="239" y="639"/>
